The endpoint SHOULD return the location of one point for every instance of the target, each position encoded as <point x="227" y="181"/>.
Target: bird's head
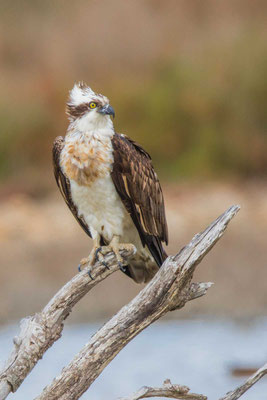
<point x="89" y="109"/>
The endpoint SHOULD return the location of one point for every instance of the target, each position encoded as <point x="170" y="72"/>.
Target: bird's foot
<point x="83" y="262"/>
<point x="114" y="247"/>
<point x="90" y="260"/>
<point x="93" y="257"/>
<point x="98" y="254"/>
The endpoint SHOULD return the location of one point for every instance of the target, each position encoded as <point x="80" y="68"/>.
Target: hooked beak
<point x="107" y="110"/>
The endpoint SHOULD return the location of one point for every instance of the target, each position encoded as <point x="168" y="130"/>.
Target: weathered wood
<point x="39" y="332"/>
<point x="168" y="390"/>
<point x="240" y="390"/>
<point x="170" y="289"/>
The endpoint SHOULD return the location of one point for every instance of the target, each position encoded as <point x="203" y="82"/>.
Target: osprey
<point x="110" y="186"/>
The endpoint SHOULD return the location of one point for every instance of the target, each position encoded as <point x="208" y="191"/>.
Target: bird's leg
<point x="115" y="246"/>
<point x="92" y="258"/>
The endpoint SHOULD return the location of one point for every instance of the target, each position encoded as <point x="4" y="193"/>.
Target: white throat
<point x="92" y="125"/>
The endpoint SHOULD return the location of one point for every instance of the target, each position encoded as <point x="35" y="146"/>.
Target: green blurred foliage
<point x="201" y="114"/>
<point x="203" y="118"/>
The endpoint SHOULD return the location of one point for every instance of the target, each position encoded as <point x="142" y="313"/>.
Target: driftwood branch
<point x="168" y="390"/>
<point x="238" y="392"/>
<point x="39" y="332"/>
<point x="170" y="289"/>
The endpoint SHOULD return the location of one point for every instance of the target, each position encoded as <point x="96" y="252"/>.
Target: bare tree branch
<point x="170" y="289"/>
<point x="167" y="390"/>
<point x="39" y="332"/>
<point x="238" y="392"/>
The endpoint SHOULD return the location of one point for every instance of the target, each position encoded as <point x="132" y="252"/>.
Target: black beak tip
<point x="112" y="112"/>
<point x="107" y="110"/>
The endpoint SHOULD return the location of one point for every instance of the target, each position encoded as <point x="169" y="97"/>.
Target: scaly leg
<point x="92" y="258"/>
<point x="115" y="247"/>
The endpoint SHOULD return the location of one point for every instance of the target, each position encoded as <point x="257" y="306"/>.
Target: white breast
<point x="101" y="207"/>
<point x="96" y="199"/>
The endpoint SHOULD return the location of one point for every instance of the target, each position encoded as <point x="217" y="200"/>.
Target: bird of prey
<point x="110" y="186"/>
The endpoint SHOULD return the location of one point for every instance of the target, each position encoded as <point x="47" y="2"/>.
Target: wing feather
<point x="64" y="183"/>
<point x="138" y="186"/>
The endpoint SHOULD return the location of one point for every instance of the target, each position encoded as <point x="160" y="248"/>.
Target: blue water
<point x="196" y="353"/>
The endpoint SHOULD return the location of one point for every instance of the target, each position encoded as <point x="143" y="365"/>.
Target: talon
<point x="89" y="273"/>
<point x="121" y="266"/>
<point x="100" y="259"/>
<point x="82" y="263"/>
<point x="105" y="264"/>
<point x="96" y="252"/>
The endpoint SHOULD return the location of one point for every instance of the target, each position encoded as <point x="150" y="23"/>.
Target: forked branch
<point x="39" y="332"/>
<point x="168" y="390"/>
<point x="170" y="289"/>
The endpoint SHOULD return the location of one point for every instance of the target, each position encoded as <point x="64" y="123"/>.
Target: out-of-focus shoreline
<point x="41" y="245"/>
<point x="187" y="352"/>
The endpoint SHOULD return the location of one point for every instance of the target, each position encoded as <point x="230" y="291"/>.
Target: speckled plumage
<point x="109" y="183"/>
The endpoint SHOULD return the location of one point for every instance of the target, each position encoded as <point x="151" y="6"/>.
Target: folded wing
<point x="64" y="183"/>
<point x="139" y="189"/>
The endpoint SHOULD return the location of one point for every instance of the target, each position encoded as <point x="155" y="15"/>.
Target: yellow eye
<point x="92" y="104"/>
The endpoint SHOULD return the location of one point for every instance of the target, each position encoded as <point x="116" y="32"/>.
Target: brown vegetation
<point x="186" y="79"/>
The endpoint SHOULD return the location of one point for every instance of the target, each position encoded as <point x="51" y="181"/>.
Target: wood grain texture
<point x="240" y="390"/>
<point x="39" y="332"/>
<point x="168" y="390"/>
<point x="170" y="289"/>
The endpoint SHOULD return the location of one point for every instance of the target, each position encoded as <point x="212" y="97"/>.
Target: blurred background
<point x="187" y="80"/>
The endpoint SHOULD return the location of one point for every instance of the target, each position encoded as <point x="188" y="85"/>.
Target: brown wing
<point x="138" y="186"/>
<point x="64" y="183"/>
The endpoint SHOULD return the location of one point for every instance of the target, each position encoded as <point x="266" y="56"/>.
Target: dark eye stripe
<point x="80" y="110"/>
<point x="76" y="111"/>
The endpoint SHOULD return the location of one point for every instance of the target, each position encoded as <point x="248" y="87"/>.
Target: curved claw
<point x="96" y="253"/>
<point x="121" y="266"/>
<point x="89" y="273"/>
<point x="105" y="264"/>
